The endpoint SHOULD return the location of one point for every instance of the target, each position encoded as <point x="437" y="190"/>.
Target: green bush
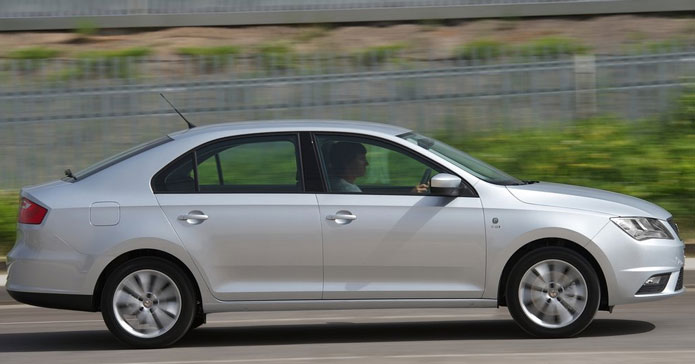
<point x="33" y="53"/>
<point x="277" y="56"/>
<point x="552" y="47"/>
<point x="487" y="49"/>
<point x="652" y="160"/>
<point x="210" y="58"/>
<point x="209" y="51"/>
<point x="30" y="58"/>
<point x="376" y="55"/>
<point x="111" y="63"/>
<point x="9" y="204"/>
<point x="85" y="28"/>
<point x="117" y="53"/>
<point x="480" y="49"/>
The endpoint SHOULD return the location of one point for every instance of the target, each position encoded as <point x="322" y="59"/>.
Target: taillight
<point x="30" y="212"/>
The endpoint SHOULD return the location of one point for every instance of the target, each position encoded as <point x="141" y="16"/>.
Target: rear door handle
<point x="194" y="217"/>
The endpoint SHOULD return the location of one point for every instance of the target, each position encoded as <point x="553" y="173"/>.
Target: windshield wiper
<point x="531" y="182"/>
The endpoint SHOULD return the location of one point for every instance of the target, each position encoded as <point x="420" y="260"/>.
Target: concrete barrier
<point x="327" y="15"/>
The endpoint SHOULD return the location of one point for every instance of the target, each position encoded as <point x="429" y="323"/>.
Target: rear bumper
<point x="55" y="300"/>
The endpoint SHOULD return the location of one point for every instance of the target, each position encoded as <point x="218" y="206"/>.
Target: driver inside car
<point x="348" y="161"/>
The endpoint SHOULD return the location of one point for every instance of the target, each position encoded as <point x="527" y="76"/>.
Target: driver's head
<point x="349" y="159"/>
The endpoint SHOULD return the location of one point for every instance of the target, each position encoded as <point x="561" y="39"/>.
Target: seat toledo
<point x="287" y="215"/>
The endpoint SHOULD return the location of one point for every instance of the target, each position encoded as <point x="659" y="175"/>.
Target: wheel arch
<point x="139" y="253"/>
<point x="552" y="242"/>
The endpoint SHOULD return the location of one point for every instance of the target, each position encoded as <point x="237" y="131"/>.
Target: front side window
<point x="364" y="165"/>
<point x="251" y="165"/>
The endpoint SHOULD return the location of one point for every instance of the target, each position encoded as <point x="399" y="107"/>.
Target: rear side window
<point x="251" y="165"/>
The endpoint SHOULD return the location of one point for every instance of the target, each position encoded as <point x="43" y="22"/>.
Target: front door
<point x="385" y="236"/>
<point x="243" y="216"/>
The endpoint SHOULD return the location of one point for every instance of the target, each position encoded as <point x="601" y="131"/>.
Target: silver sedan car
<point x="300" y="215"/>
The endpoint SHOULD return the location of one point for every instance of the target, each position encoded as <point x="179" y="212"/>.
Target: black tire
<point x="545" y="295"/>
<point x="175" y="328"/>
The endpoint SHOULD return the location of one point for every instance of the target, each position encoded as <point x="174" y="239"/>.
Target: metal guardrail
<point x="46" y="127"/>
<point x="68" y="14"/>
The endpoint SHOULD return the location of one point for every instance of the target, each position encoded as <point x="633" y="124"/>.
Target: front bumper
<point x="628" y="263"/>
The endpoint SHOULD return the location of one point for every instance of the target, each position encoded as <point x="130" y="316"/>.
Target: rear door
<point x="240" y="207"/>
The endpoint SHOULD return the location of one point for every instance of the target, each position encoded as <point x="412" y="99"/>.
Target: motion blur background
<point x="595" y="93"/>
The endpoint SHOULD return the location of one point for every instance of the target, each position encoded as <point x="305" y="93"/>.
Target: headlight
<point x="642" y="228"/>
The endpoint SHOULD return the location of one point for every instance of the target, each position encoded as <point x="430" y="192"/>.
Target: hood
<point x="589" y="199"/>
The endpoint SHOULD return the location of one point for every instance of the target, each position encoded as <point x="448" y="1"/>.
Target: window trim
<point x="311" y="165"/>
<point x="194" y="152"/>
<point x="408" y="152"/>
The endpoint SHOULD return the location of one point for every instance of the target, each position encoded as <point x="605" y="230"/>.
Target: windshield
<point x="471" y="165"/>
<point x="119" y="158"/>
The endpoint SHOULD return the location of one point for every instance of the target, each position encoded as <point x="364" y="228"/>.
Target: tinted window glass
<point x="177" y="177"/>
<point x="253" y="164"/>
<point x="260" y="164"/>
<point x="364" y="165"/>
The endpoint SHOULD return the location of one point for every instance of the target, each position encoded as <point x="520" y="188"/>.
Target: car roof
<point x="248" y="127"/>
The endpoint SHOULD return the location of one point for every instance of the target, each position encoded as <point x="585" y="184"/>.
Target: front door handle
<point x="194" y="217"/>
<point x="342" y="217"/>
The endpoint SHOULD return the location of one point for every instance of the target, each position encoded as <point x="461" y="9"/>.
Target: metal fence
<point x="57" y="114"/>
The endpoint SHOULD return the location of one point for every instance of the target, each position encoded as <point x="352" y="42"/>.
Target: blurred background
<point x="595" y="93"/>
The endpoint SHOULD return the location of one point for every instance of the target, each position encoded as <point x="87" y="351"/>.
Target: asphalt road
<point x="662" y="331"/>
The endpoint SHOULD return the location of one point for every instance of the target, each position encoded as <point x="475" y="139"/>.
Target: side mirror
<point x="444" y="184"/>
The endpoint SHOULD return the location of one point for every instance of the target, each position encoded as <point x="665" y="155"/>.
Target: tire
<point x="553" y="292"/>
<point x="148" y="303"/>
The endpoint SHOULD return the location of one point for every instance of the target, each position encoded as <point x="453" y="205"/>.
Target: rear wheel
<point x="553" y="292"/>
<point x="148" y="303"/>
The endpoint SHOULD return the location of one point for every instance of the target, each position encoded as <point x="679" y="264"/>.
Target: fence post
<point x="585" y="85"/>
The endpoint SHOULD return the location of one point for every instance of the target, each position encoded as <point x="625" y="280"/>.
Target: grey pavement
<point x="655" y="332"/>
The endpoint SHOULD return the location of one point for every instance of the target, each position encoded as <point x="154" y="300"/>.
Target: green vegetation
<point x="109" y="63"/>
<point x="209" y="51"/>
<point x="552" y="47"/>
<point x="9" y="204"/>
<point x="33" y="53"/>
<point x="650" y="159"/>
<point x="85" y="28"/>
<point x="376" y="55"/>
<point x="659" y="46"/>
<point x="487" y="49"/>
<point x="210" y="58"/>
<point x="117" y="53"/>
<point x="277" y="56"/>
<point x="29" y="58"/>
<point x="480" y="49"/>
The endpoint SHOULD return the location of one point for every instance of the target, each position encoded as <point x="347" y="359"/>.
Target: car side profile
<point x="306" y="214"/>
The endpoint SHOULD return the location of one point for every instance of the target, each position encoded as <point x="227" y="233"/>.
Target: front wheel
<point x="553" y="292"/>
<point x="148" y="303"/>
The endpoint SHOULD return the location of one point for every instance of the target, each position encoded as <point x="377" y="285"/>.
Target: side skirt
<point x="295" y="305"/>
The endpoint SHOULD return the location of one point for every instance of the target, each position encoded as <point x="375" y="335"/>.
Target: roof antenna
<point x="190" y="126"/>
